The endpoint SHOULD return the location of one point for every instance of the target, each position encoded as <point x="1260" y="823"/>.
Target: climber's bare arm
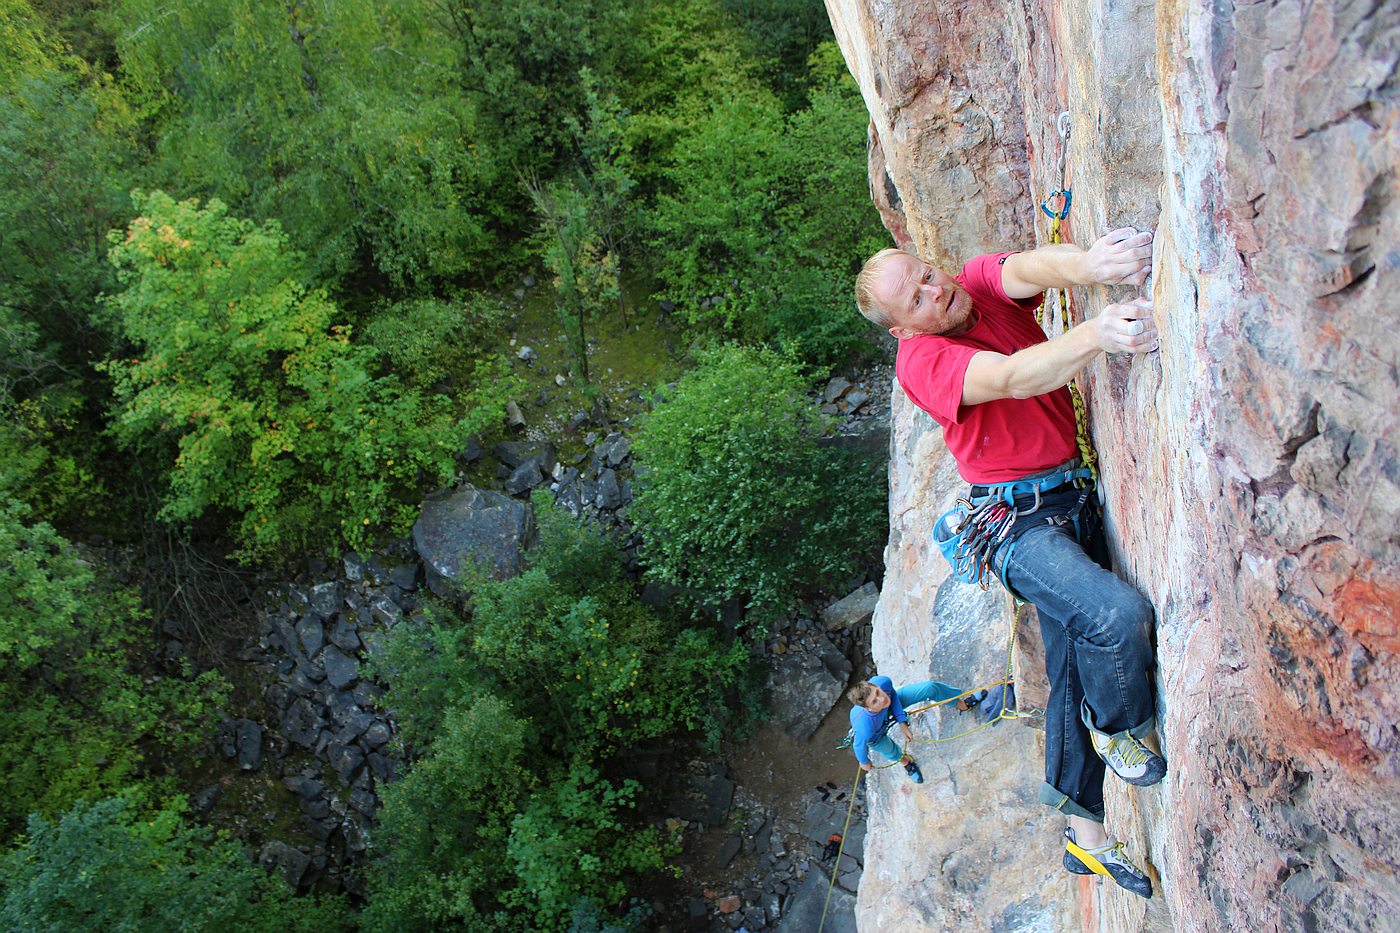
<point x="1045" y="367"/>
<point x="1123" y="257"/>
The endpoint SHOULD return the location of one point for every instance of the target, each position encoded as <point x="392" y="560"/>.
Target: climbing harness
<point x="1065" y="196"/>
<point x="971" y="533"/>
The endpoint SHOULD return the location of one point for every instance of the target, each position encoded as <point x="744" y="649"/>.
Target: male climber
<point x="972" y="355"/>
<point x="878" y="707"/>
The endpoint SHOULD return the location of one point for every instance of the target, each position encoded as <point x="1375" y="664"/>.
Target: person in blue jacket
<point x="879" y="708"/>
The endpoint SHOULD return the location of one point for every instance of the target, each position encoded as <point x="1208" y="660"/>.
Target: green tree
<point x="764" y="217"/>
<point x="269" y="410"/>
<point x="105" y="866"/>
<point x="343" y="123"/>
<point x="736" y="498"/>
<point x="519" y="806"/>
<point x="445" y="825"/>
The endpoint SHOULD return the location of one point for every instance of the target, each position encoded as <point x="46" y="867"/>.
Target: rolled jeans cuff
<point x="1141" y="731"/>
<point x="1145" y="728"/>
<point x="1053" y="798"/>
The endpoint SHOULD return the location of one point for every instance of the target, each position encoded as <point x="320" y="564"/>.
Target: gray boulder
<point x="289" y="862"/>
<point x="307" y="788"/>
<point x="376" y="735"/>
<point x="852" y="609"/>
<point x="346" y="760"/>
<point x="311" y="633"/>
<point x="471" y="527"/>
<point x="302" y="723"/>
<point x="341" y="670"/>
<point x="325" y="598"/>
<point x="524" y="478"/>
<point x="343" y="636"/>
<point x="249" y="738"/>
<point x="806" y="686"/>
<point x="609" y="492"/>
<point x="707" y="799"/>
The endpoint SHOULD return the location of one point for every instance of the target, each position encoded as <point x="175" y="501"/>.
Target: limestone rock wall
<point x="1250" y="472"/>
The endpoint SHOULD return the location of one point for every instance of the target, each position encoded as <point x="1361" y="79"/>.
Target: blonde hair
<point x="865" y="284"/>
<point x="861" y="692"/>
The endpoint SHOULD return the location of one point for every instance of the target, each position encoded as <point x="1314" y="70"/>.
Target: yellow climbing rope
<point x="1057" y="215"/>
<point x="840" y="850"/>
<point x="1007" y="680"/>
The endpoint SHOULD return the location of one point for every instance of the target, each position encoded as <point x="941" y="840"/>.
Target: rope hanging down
<point x="1057" y="216"/>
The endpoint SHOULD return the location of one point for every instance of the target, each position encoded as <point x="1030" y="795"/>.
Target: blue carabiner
<point x="1064" y="211"/>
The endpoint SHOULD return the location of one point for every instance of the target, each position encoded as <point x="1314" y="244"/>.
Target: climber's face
<point x="879" y="701"/>
<point x="920" y="299"/>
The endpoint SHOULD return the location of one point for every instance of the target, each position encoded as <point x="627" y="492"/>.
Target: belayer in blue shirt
<point x="879" y="707"/>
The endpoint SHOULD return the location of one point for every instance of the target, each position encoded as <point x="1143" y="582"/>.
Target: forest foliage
<point x="250" y="264"/>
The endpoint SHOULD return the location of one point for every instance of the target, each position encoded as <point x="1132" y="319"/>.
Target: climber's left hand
<point x="1121" y="257"/>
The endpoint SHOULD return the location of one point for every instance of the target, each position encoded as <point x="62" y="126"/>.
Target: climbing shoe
<point x="971" y="701"/>
<point x="911" y="768"/>
<point x="1128" y="758"/>
<point x="1107" y="860"/>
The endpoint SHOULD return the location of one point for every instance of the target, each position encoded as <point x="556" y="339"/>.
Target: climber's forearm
<point x="1045" y="367"/>
<point x="1123" y="257"/>
<point x="1058" y="265"/>
<point x="1033" y="371"/>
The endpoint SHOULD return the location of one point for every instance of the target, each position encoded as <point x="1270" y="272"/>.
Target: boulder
<point x="609" y="496"/>
<point x="344" y="636"/>
<point x="307" y="788"/>
<point x="346" y="760"/>
<point x="837" y="387"/>
<point x="804" y="688"/>
<point x="311" y="634"/>
<point x="385" y="611"/>
<point x="289" y="862"/>
<point x="469" y="528"/>
<point x="249" y="738"/>
<point x="202" y="803"/>
<point x="706" y="798"/>
<point x="341" y="669"/>
<point x="302" y="723"/>
<point x="524" y="478"/>
<point x="852" y="609"/>
<point x="326" y="598"/>
<point x="376" y="734"/>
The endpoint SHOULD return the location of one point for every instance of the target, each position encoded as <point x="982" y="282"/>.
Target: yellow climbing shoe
<point x="1107" y="860"/>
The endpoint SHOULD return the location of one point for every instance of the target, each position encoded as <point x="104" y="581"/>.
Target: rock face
<point x="1250" y="470"/>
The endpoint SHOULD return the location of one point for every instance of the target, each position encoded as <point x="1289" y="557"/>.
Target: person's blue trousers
<point x="1097" y="659"/>
<point x="912" y="695"/>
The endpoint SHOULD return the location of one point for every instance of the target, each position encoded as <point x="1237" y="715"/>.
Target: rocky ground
<point x="309" y="747"/>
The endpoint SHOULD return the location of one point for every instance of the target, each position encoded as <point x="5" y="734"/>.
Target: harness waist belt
<point x="1009" y="491"/>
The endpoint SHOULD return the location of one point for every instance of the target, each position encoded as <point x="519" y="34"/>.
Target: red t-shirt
<point x="1000" y="440"/>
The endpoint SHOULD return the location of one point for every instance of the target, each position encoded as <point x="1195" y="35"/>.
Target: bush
<point x="519" y="810"/>
<point x="106" y="867"/>
<point x="260" y="400"/>
<point x="770" y="214"/>
<point x="83" y="709"/>
<point x="736" y="499"/>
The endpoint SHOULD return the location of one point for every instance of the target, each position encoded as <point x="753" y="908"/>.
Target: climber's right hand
<point x="865" y="766"/>
<point x="1128" y="327"/>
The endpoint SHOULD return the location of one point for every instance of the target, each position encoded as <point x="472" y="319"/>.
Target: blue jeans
<point x="912" y="695"/>
<point x="1097" y="659"/>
